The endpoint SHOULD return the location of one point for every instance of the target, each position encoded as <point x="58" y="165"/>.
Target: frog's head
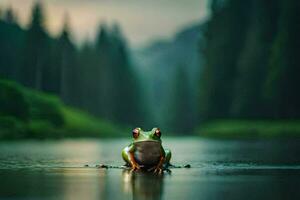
<point x="146" y="136"/>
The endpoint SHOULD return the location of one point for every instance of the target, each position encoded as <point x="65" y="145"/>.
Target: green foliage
<point x="35" y="51"/>
<point x="81" y="124"/>
<point x="25" y="113"/>
<point x="225" y="35"/>
<point x="45" y="107"/>
<point x="94" y="78"/>
<point x="28" y="114"/>
<point x="43" y="129"/>
<point x="282" y="84"/>
<point x="226" y="129"/>
<point x="13" y="101"/>
<point x="10" y="16"/>
<point x="117" y="82"/>
<point x="11" y="40"/>
<point x="12" y="128"/>
<point x="252" y="64"/>
<point x="37" y="16"/>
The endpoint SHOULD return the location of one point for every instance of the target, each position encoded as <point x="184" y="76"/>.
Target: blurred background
<point x="217" y="68"/>
<point x="225" y="70"/>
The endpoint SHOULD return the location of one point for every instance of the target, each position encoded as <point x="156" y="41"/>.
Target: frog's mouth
<point x="147" y="141"/>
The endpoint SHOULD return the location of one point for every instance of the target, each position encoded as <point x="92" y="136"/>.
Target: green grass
<point x="26" y="113"/>
<point x="79" y="123"/>
<point x="250" y="129"/>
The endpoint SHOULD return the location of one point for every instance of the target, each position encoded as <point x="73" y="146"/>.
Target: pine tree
<point x="36" y="50"/>
<point x="10" y="16"/>
<point x="102" y="76"/>
<point x="114" y="78"/>
<point x="225" y="35"/>
<point x="248" y="99"/>
<point x="66" y="73"/>
<point x="282" y="85"/>
<point x="11" y="40"/>
<point x="125" y="82"/>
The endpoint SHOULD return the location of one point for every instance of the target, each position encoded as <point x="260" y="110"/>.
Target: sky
<point x="142" y="21"/>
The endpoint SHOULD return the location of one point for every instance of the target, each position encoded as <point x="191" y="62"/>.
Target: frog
<point x="146" y="151"/>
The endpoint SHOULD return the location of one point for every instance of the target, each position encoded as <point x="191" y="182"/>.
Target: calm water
<point x="220" y="170"/>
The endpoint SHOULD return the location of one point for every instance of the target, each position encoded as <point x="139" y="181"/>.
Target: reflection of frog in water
<point x="146" y="151"/>
<point x="137" y="184"/>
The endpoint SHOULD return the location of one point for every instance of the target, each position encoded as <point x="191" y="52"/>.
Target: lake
<point x="220" y="169"/>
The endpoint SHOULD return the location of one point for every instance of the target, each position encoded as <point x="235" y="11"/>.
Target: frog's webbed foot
<point x="135" y="166"/>
<point x="158" y="170"/>
<point x="159" y="167"/>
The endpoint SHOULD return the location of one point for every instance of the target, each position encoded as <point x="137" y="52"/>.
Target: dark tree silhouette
<point x="252" y="61"/>
<point x="36" y="50"/>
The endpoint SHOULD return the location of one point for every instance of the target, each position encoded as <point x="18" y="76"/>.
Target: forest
<point x="251" y="61"/>
<point x="149" y="100"/>
<point x="96" y="78"/>
<point x="249" y="74"/>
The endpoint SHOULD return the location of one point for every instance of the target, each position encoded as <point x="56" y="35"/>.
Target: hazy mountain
<point x="164" y="55"/>
<point x="158" y="62"/>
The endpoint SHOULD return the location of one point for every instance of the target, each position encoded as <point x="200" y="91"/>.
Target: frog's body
<point x="146" y="151"/>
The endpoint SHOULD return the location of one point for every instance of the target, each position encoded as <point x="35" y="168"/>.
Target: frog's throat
<point x="146" y="141"/>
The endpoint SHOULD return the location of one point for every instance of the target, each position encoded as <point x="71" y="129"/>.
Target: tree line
<point x="250" y="71"/>
<point x="252" y="62"/>
<point x="96" y="77"/>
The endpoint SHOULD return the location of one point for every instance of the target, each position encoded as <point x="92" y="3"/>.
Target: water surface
<point x="220" y="170"/>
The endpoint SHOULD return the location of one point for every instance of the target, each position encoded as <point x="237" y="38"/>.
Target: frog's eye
<point x="158" y="133"/>
<point x="136" y="132"/>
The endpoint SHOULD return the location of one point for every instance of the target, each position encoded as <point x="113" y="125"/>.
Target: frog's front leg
<point x="164" y="161"/>
<point x="128" y="157"/>
<point x="168" y="156"/>
<point x="159" y="166"/>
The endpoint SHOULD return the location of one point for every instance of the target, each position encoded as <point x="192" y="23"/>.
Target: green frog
<point x="146" y="151"/>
